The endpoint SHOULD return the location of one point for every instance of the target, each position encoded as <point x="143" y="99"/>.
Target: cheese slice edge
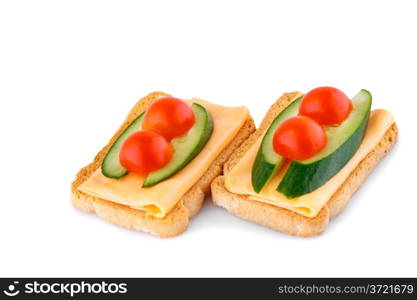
<point x="159" y="199"/>
<point x="238" y="180"/>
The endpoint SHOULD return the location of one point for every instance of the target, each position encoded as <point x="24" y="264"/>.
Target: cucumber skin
<point x="203" y="141"/>
<point x="263" y="169"/>
<point x="302" y="179"/>
<point x="207" y="134"/>
<point x="106" y="164"/>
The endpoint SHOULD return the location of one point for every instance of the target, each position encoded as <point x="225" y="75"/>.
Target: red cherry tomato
<point x="168" y="116"/>
<point x="145" y="151"/>
<point x="299" y="138"/>
<point x="326" y="105"/>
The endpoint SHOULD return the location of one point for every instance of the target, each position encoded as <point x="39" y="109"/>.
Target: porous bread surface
<point x="176" y="221"/>
<point x="284" y="220"/>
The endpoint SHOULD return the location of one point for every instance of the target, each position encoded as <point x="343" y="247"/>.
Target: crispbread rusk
<point x="176" y="221"/>
<point x="284" y="220"/>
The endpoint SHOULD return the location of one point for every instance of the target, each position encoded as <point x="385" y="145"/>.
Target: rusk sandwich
<point x="156" y="170"/>
<point x="310" y="154"/>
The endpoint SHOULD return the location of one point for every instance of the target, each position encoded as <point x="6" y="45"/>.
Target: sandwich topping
<point x="305" y="155"/>
<point x="169" y="116"/>
<point x="149" y="149"/>
<point x="299" y="138"/>
<point x="145" y="151"/>
<point x="160" y="141"/>
<point x="163" y="153"/>
<point x="326" y="105"/>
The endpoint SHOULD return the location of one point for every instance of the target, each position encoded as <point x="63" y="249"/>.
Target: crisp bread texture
<point x="176" y="221"/>
<point x="284" y="220"/>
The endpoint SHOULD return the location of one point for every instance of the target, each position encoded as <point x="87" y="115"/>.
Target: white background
<point x="71" y="70"/>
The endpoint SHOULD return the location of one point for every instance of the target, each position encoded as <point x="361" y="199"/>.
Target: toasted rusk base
<point x="176" y="221"/>
<point x="284" y="220"/>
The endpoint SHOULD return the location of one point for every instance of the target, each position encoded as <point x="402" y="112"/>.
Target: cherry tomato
<point x="168" y="116"/>
<point x="299" y="138"/>
<point x="326" y="105"/>
<point x="145" y="151"/>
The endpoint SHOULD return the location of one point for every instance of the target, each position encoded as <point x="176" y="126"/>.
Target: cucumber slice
<point x="185" y="147"/>
<point x="111" y="166"/>
<point x="305" y="176"/>
<point x="267" y="161"/>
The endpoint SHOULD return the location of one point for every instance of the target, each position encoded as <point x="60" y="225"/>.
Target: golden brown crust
<point x="176" y="221"/>
<point x="339" y="199"/>
<point x="268" y="215"/>
<point x="281" y="219"/>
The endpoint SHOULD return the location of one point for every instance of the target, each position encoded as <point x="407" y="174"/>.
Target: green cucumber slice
<point x="267" y="161"/>
<point x="305" y="176"/>
<point x="111" y="166"/>
<point x="185" y="147"/>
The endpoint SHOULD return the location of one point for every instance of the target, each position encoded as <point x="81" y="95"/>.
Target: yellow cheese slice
<point x="238" y="180"/>
<point x="159" y="199"/>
